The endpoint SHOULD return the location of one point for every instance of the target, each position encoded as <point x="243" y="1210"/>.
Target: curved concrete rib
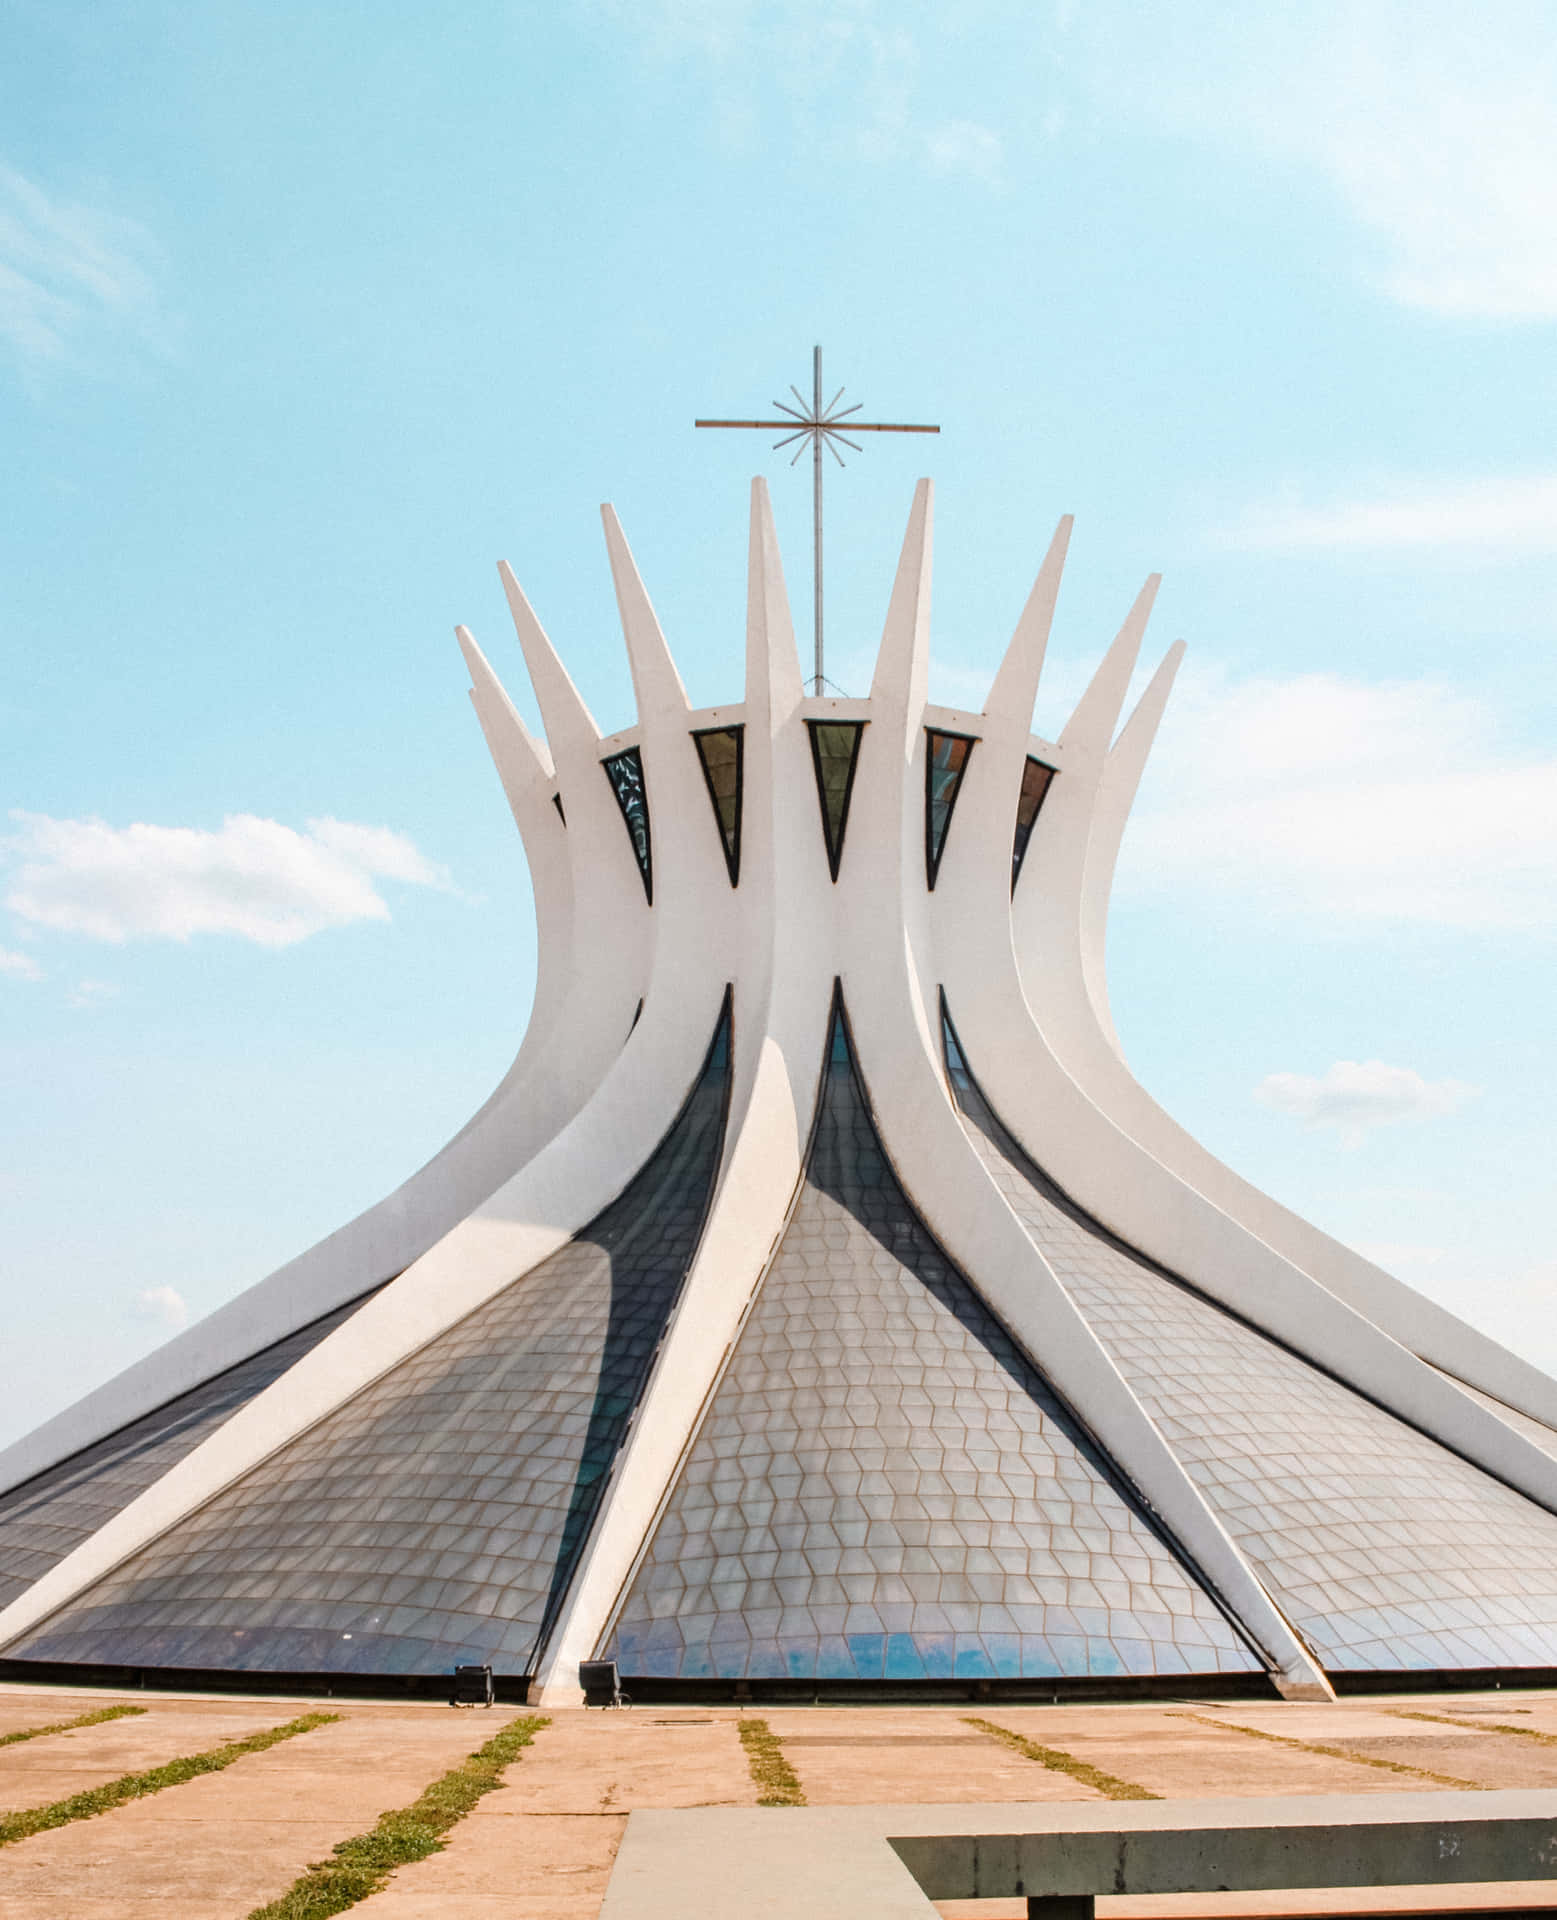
<point x="778" y="1040"/>
<point x="1091" y="1157"/>
<point x="572" y="1180"/>
<point x="1015" y="686"/>
<point x="1115" y="796"/>
<point x="1060" y="935"/>
<point x="560" y="1060"/>
<point x="892" y="1022"/>
<point x="595" y="1087"/>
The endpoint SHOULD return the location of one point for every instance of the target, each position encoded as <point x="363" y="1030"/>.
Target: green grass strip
<point x="64" y="1726"/>
<point x="135" y="1786"/>
<point x="361" y="1865"/>
<point x="1335" y="1753"/>
<point x="1477" y="1726"/>
<point x="774" y="1778"/>
<point x="1058" y="1761"/>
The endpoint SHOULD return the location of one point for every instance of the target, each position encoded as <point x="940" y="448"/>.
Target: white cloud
<point x="164" y="1304"/>
<point x="1509" y="514"/>
<point x="1431" y="122"/>
<point x="1354" y="1095"/>
<point x="1336" y="802"/>
<point x="68" y="269"/>
<point x="19" y="966"/>
<point x="848" y="79"/>
<point x="86" y="994"/>
<point x="963" y="147"/>
<point x="255" y="878"/>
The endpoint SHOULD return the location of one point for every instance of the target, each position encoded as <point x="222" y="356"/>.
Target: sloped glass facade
<point x="1384" y="1549"/>
<point x="48" y="1516"/>
<point x="438" y="1516"/>
<point x="885" y="1488"/>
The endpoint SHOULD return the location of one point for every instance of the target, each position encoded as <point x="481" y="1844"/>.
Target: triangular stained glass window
<point x="835" y="752"/>
<point x="1036" y="780"/>
<point x="945" y="761"/>
<point x="625" y="772"/>
<point x="720" y="751"/>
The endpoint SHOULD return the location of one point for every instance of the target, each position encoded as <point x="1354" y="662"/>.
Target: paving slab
<point x="19" y="1712"/>
<point x="541" y="1846"/>
<point x="1174" y="1755"/>
<point x="219" y="1845"/>
<point x="1482" y="1759"/>
<point x="35" y="1773"/>
<point x="846" y="1758"/>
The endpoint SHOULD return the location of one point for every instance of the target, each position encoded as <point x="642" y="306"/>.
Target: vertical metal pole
<point x="816" y="506"/>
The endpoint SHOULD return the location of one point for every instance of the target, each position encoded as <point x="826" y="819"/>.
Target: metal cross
<point x="822" y="426"/>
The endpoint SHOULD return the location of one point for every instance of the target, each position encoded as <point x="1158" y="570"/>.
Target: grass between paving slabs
<point x="1058" y="1761"/>
<point x="65" y="1726"/>
<point x="1478" y="1726"/>
<point x="135" y="1786"/>
<point x="772" y="1775"/>
<point x="1337" y="1753"/>
<point x="361" y="1865"/>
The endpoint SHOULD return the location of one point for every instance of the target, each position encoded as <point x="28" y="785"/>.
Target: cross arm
<point x="812" y="426"/>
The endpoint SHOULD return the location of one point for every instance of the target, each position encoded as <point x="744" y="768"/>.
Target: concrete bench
<point x="891" y="1863"/>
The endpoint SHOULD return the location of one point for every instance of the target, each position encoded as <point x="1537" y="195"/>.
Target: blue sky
<point x="308" y="315"/>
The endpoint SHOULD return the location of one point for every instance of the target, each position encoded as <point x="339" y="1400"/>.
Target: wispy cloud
<point x="962" y="147"/>
<point x="68" y="271"/>
<point x="1507" y="514"/>
<point x="1354" y="1096"/>
<point x="19" y="966"/>
<point x="255" y="878"/>
<point x="1340" y="802"/>
<point x="1432" y="124"/>
<point x="852" y="79"/>
<point x="165" y="1305"/>
<point x="86" y="995"/>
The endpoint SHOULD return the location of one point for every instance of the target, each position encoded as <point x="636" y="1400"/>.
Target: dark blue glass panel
<point x="1384" y="1549"/>
<point x="48" y="1516"/>
<point x="945" y="761"/>
<point x="881" y="1463"/>
<point x="1036" y="781"/>
<point x="720" y="752"/>
<point x="438" y="1516"/>
<point x="625" y="772"/>
<point x="835" y="753"/>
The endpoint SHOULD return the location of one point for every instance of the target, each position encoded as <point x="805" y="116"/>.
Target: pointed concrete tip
<point x="902" y="661"/>
<point x="471" y="652"/>
<point x="1015" y="685"/>
<point x="656" y="678"/>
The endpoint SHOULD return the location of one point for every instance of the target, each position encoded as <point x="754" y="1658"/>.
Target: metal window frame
<point x="645" y="866"/>
<point x="1019" y="853"/>
<point x="732" y="856"/>
<point x="835" y="853"/>
<point x="932" y="855"/>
